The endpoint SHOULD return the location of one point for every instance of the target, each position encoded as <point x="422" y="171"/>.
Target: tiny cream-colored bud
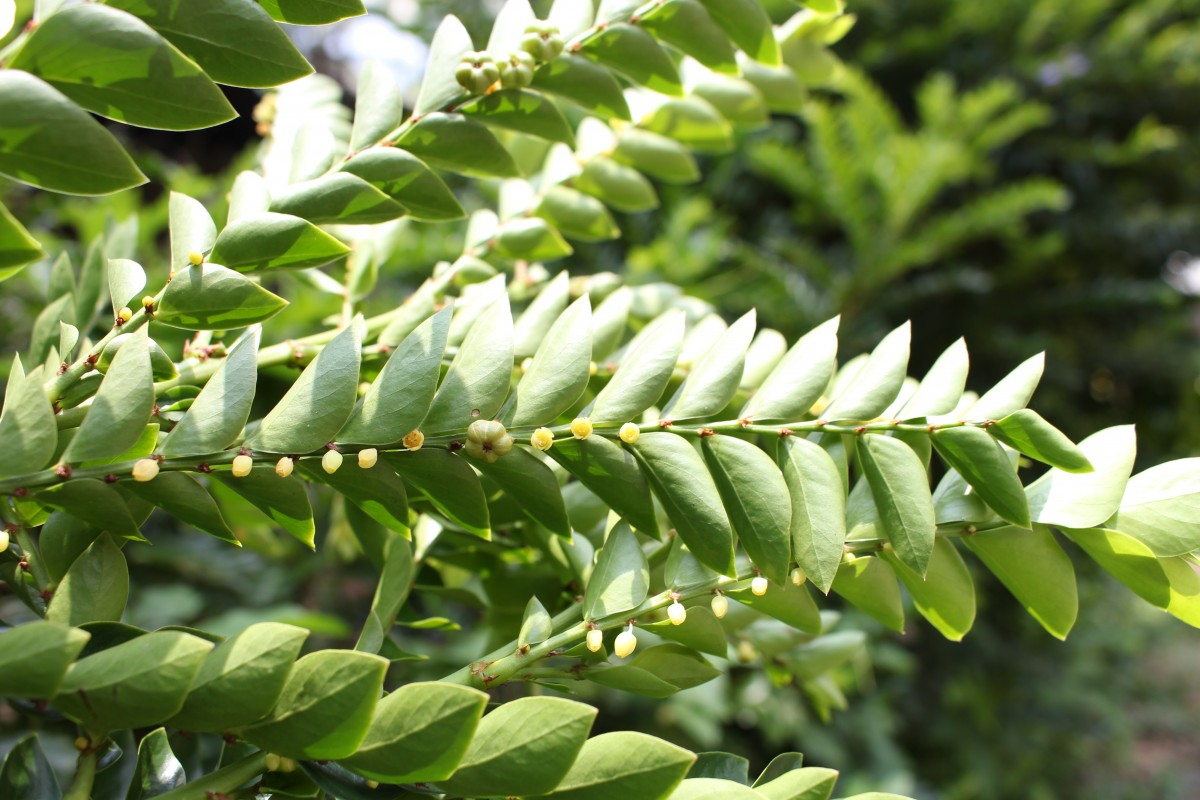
<point x="798" y="577"/>
<point x="746" y="652"/>
<point x="595" y="640"/>
<point x="331" y="461"/>
<point x="368" y="458"/>
<point x="196" y="258"/>
<point x="542" y="438"/>
<point x="4" y="541"/>
<point x="592" y="368"/>
<point x="242" y="465"/>
<point x="759" y="586"/>
<point x="720" y="605"/>
<point x="581" y="428"/>
<point x="82" y="743"/>
<point x="414" y="439"/>
<point x="526" y="364"/>
<point x="147" y="302"/>
<point x="272" y="762"/>
<point x="284" y="467"/>
<point x="125" y="314"/>
<point x="145" y="469"/>
<point x="287" y="764"/>
<point x="630" y="433"/>
<point x="372" y="784"/>
<point x="676" y="613"/>
<point x="625" y="643"/>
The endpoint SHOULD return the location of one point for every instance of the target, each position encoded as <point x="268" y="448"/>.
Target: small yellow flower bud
<point x="125" y="314"/>
<point x="242" y="465"/>
<point x="542" y="438"/>
<point x="368" y="458"/>
<point x="720" y="606"/>
<point x="145" y="469"/>
<point x="331" y="461"/>
<point x="581" y="428"/>
<point x="82" y="743"/>
<point x="630" y="433"/>
<point x="759" y="586"/>
<point x="849" y="558"/>
<point x="592" y="368"/>
<point x="4" y="541"/>
<point x="287" y="764"/>
<point x="414" y="439"/>
<point x="372" y="784"/>
<point x="798" y="577"/>
<point x="272" y="762"/>
<point x="526" y="364"/>
<point x="284" y="466"/>
<point x="625" y="643"/>
<point x="196" y="258"/>
<point x="746" y="652"/>
<point x="147" y="302"/>
<point x="676" y="613"/>
<point x="595" y="640"/>
<point x="488" y="439"/>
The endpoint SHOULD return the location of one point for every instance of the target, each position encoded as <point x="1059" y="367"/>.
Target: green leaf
<point x="700" y="631"/>
<point x="621" y="579"/>
<point x="419" y="733"/>
<point x="813" y="659"/>
<point x="1161" y="508"/>
<point x="275" y="241"/>
<point x="714" y="380"/>
<point x="439" y="86"/>
<point x="477" y="381"/>
<point x="282" y="499"/>
<point x="875" y="387"/>
<point x="161" y="365"/>
<point x="900" y="489"/>
<point x="643" y="372"/>
<point x="96" y="586"/>
<point x="942" y="387"/>
<point x="536" y="625"/>
<point x="449" y="483"/>
<point x="17" y="247"/>
<point x="810" y="783"/>
<point x="192" y="232"/>
<point x="241" y="678"/>
<point x="401" y="395"/>
<point x="377" y="491"/>
<point x="1012" y="393"/>
<point x="319" y="402"/>
<point x="685" y="24"/>
<point x="612" y="473"/>
<point x="693" y="122"/>
<point x="869" y="584"/>
<point x="946" y="595"/>
<point x="786" y="602"/>
<point x="217" y="415"/>
<point x="135" y="684"/>
<point x="49" y="142"/>
<point x="126" y="279"/>
<point x="181" y="496"/>
<point x="532" y="239"/>
<point x="818" y="498"/>
<point x="559" y="373"/>
<point x="325" y="707"/>
<point x="656" y="155"/>
<point x="524" y="747"/>
<point x="312" y="12"/>
<point x="28" y="430"/>
<point x="521" y="111"/>
<point x="757" y="499"/>
<point x="577" y="215"/>
<point x="635" y="54"/>
<point x="210" y="33"/>
<point x="35" y="656"/>
<point x="339" y="197"/>
<point x="96" y="503"/>
<point x="121" y="408"/>
<point x="691" y="499"/>
<point x="26" y="773"/>
<point x="112" y="63"/>
<point x="1035" y="569"/>
<point x="624" y="764"/>
<point x="982" y="462"/>
<point x="460" y="144"/>
<point x="249" y="195"/>
<point x="589" y="85"/>
<point x="747" y="24"/>
<point x="157" y="770"/>
<point x="533" y="486"/>
<point x="781" y="87"/>
<point x="657" y="672"/>
<point x="378" y="105"/>
<point x="211" y="297"/>
<point x="1026" y="432"/>
<point x="1088" y="499"/>
<point x="799" y="379"/>
<point x="617" y="185"/>
<point x="395" y="583"/>
<point x="713" y="789"/>
<point x="407" y="181"/>
<point x="736" y="100"/>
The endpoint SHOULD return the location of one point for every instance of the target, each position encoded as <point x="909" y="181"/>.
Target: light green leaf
<point x="275" y="241"/>
<point x="813" y="659"/>
<point x="1035" y="569"/>
<point x="818" y="526"/>
<point x="799" y="379"/>
<point x="529" y="332"/>
<point x="337" y="197"/>
<point x="1011" y="394"/>
<point x="477" y="381"/>
<point x="1161" y="507"/>
<point x="35" y="656"/>
<point x="217" y="415"/>
<point x="211" y="297"/>
<point x="439" y="86"/>
<point x="748" y="25"/>
<point x="536" y="625"/>
<point x="26" y="773"/>
<point x="116" y="65"/>
<point x="617" y="185"/>
<point x="682" y="483"/>
<point x="531" y="239"/>
<point x="395" y="583"/>
<point x="781" y="87"/>
<point x="28" y="431"/>
<point x="136" y="684"/>
<point x="635" y="54"/>
<point x="643" y="372"/>
<point x="875" y="387"/>
<point x="312" y="12"/>
<point x="449" y="483"/>
<point x="984" y="464"/>
<point x="182" y="497"/>
<point x="319" y="402"/>
<point x="714" y="380"/>
<point x="460" y="144"/>
<point x="736" y="100"/>
<point x="377" y="491"/>
<point x="559" y="373"/>
<point x="1026" y="432"/>
<point x="609" y="321"/>
<point x="419" y="733"/>
<point x="900" y="488"/>
<point x="49" y="142"/>
<point x="121" y="408"/>
<point x="612" y="473"/>
<point x="577" y="215"/>
<point x="533" y="486"/>
<point x="946" y="595"/>
<point x="283" y="500"/>
<point x="589" y="85"/>
<point x="95" y="588"/>
<point x="621" y="579"/>
<point x="126" y="279"/>
<point x="407" y="181"/>
<point x="524" y="747"/>
<point x="522" y="111"/>
<point x="786" y="602"/>
<point x="810" y="783"/>
<point x="17" y="247"/>
<point x="693" y="122"/>
<point x="757" y="500"/>
<point x="942" y="387"/>
<point x="378" y="105"/>
<point x="868" y="583"/>
<point x="657" y="672"/>
<point x="713" y="789"/>
<point x="95" y="503"/>
<point x="325" y="707"/>
<point x="1088" y="499"/>
<point x="685" y="24"/>
<point x="699" y="631"/>
<point x="624" y="764"/>
<point x="249" y="195"/>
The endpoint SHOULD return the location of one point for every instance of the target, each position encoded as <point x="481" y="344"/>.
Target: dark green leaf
<point x="783" y="764"/>
<point x="785" y="602"/>
<point x="699" y="631"/>
<point x="757" y="500"/>
<point x="536" y="625"/>
<point x="477" y="381"/>
<point x="181" y="496"/>
<point x="215" y="418"/>
<point x="211" y="297"/>
<point x="612" y="473"/>
<point x="715" y="378"/>
<point x="35" y="656"/>
<point x="406" y="180"/>
<point x="275" y="241"/>
<point x="621" y="579"/>
<point x="982" y="462"/>
<point x="900" y="488"/>
<point x="591" y="86"/>
<point x="312" y="12"/>
<point x="28" y="431"/>
<point x="799" y="379"/>
<point x="685" y="24"/>
<point x="94" y="588"/>
<point x="643" y="372"/>
<point x="1026" y="432"/>
<point x="634" y="53"/>
<point x="868" y="583"/>
<point x="282" y="499"/>
<point x="1035" y="569"/>
<point x="377" y="491"/>
<point x="121" y="408"/>
<point x="657" y="672"/>
<point x="559" y="373"/>
<point x="96" y="503"/>
<point x="946" y="595"/>
<point x="158" y="771"/>
<point x="449" y="483"/>
<point x="747" y="24"/>
<point x="522" y="111"/>
<point x="338" y="197"/>
<point x="818" y="498"/>
<point x="395" y="582"/>
<point x="460" y="144"/>
<point x="17" y="247"/>
<point x="532" y="484"/>
<point x="26" y="773"/>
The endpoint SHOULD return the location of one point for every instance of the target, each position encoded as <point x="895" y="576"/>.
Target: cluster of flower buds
<point x="542" y="41"/>
<point x="477" y="72"/>
<point x="487" y="439"/>
<point x="517" y="71"/>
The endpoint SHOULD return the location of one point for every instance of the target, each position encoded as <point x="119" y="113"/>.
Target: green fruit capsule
<point x="477" y="72"/>
<point x="542" y="41"/>
<point x="517" y="71"/>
